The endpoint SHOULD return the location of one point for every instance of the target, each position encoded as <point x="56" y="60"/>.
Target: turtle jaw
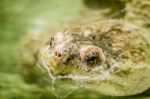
<point x="76" y="72"/>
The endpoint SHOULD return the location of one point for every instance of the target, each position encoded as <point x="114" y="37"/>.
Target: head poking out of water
<point x="111" y="57"/>
<point x="69" y="53"/>
<point x="91" y="51"/>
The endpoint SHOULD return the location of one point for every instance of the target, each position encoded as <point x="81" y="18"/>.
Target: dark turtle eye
<point x="92" y="58"/>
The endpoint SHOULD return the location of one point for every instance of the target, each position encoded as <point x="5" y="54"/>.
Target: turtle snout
<point x="58" y="55"/>
<point x="61" y="54"/>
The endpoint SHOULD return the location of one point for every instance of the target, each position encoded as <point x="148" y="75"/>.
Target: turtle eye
<point x="92" y="58"/>
<point x="91" y="55"/>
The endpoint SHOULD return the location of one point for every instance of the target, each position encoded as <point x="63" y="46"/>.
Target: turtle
<point x="101" y="52"/>
<point x="110" y="57"/>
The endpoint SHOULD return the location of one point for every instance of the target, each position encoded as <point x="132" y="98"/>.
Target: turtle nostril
<point x="57" y="54"/>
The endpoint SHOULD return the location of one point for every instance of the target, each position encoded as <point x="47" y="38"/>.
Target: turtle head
<point x="72" y="54"/>
<point x="109" y="58"/>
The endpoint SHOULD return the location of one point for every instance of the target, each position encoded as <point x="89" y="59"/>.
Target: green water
<point x="17" y="17"/>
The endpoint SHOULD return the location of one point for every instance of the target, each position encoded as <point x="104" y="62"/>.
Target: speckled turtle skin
<point x="137" y="12"/>
<point x="110" y="56"/>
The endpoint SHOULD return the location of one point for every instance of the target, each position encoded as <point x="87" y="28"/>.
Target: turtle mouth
<point x="82" y="78"/>
<point x="86" y="78"/>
